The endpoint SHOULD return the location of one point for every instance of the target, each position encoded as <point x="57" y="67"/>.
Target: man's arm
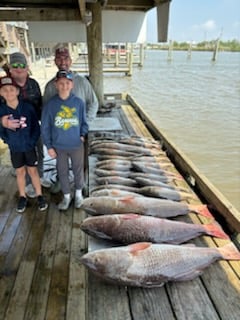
<point x="49" y="91"/>
<point x="9" y="123"/>
<point x="91" y="103"/>
<point x="84" y="90"/>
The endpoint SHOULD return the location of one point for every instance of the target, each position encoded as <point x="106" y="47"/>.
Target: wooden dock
<point x="41" y="277"/>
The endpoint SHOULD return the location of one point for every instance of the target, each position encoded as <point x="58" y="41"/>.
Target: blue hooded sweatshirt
<point x="25" y="138"/>
<point x="63" y="122"/>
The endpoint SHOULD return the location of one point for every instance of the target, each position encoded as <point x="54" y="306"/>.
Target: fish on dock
<point x="143" y="167"/>
<point x="114" y="193"/>
<point x="106" y="173"/>
<point x="165" y="193"/>
<point x="112" y="162"/>
<point x="131" y="228"/>
<point x="150" y="186"/>
<point x="161" y="208"/>
<point x="114" y="186"/>
<point x="116" y="180"/>
<point x="111" y="152"/>
<point x="149" y="179"/>
<point x="148" y="265"/>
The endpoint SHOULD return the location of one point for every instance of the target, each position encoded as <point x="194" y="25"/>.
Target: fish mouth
<point x="90" y="211"/>
<point x="88" y="263"/>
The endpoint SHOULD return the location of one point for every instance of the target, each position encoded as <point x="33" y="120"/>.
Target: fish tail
<point x="201" y="209"/>
<point x="215" y="231"/>
<point x="229" y="252"/>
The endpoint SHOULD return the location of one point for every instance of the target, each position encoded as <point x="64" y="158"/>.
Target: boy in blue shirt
<point x="64" y="127"/>
<point x="21" y="141"/>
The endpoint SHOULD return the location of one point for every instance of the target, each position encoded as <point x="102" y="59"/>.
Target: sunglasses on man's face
<point x="18" y="65"/>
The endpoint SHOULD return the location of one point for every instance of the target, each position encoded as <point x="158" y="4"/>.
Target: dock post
<point x="129" y="73"/>
<point x="141" y="54"/>
<point x="117" y="58"/>
<point x="94" y="45"/>
<point x="189" y="54"/>
<point x="170" y="48"/>
<point x="215" y="51"/>
<point x="33" y="53"/>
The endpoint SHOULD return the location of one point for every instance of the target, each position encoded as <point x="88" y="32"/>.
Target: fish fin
<point x="215" y="231"/>
<point x="134" y="248"/>
<point x="201" y="209"/>
<point x="191" y="245"/>
<point x="190" y="275"/>
<point x="130" y="216"/>
<point x="126" y="199"/>
<point x="115" y="192"/>
<point x="229" y="252"/>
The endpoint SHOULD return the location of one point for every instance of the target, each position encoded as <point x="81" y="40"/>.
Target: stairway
<point x="12" y="39"/>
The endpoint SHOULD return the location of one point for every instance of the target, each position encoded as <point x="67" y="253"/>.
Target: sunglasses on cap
<point x="65" y="74"/>
<point x="18" y="65"/>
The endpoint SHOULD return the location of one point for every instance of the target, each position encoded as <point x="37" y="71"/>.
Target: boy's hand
<point x="52" y="153"/>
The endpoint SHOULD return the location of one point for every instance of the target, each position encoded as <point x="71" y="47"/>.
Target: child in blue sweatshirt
<point x="64" y="128"/>
<point x="21" y="141"/>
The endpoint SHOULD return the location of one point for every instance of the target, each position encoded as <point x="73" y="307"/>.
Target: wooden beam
<point x="82" y="8"/>
<point x="94" y="42"/>
<point x="44" y="14"/>
<point x="162" y="19"/>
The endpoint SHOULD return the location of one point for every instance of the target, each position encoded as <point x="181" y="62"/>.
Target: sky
<point x="199" y="20"/>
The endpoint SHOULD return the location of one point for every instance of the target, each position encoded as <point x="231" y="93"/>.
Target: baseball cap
<point x="4" y="81"/>
<point x="64" y="74"/>
<point x="18" y="57"/>
<point x="62" y="52"/>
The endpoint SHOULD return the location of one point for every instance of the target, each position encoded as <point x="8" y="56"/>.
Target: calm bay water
<point x="196" y="102"/>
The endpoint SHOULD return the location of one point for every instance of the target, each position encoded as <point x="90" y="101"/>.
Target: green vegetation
<point x="231" y="45"/>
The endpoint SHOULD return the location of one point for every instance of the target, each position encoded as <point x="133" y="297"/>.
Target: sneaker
<point x="45" y="183"/>
<point x="64" y="204"/>
<point x="22" y="204"/>
<point x="42" y="204"/>
<point x="30" y="191"/>
<point x="78" y="201"/>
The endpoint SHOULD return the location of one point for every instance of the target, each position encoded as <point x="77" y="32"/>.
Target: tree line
<point x="230" y="45"/>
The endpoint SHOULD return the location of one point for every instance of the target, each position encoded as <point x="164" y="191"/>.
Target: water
<point x="196" y="102"/>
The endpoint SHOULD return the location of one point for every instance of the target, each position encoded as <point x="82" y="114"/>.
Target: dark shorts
<point x="21" y="159"/>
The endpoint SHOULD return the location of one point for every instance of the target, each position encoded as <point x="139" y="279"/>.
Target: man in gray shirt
<point x="82" y="87"/>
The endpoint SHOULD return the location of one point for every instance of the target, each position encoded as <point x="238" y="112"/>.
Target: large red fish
<point x="152" y="265"/>
<point x="160" y="208"/>
<point x="131" y="228"/>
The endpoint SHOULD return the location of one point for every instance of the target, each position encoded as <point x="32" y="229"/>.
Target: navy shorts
<point x="21" y="159"/>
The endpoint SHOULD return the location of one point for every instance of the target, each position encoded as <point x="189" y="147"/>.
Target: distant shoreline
<point x="229" y="46"/>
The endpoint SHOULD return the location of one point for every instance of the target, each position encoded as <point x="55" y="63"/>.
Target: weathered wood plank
<point x="38" y="297"/>
<point x="10" y="261"/>
<point x="106" y="301"/>
<point x="133" y="120"/>
<point x="22" y="285"/>
<point x="77" y="308"/>
<point x="56" y="307"/>
<point x="8" y="190"/>
<point x="190" y="301"/>
<point x="143" y="304"/>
